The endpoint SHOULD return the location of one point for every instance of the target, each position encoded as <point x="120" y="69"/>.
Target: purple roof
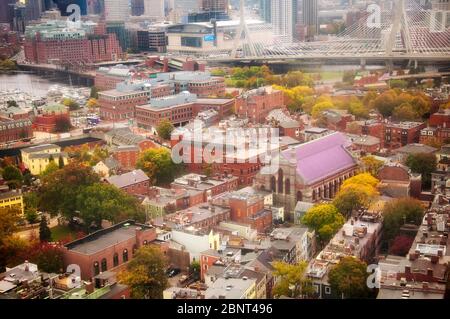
<point x="321" y="158"/>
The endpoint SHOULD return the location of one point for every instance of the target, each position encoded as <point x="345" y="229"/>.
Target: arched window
<point x="116" y="260"/>
<point x="280" y="181"/>
<point x="299" y="196"/>
<point x="104" y="265"/>
<point x="125" y="255"/>
<point x="314" y="195"/>
<point x="272" y="184"/>
<point x="96" y="268"/>
<point x="134" y="249"/>
<point x="287" y="186"/>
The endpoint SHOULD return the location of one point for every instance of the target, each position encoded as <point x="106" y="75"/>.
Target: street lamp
<point x="114" y="117"/>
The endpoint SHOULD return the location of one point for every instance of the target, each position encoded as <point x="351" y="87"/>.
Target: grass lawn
<point x="330" y="75"/>
<point x="62" y="232"/>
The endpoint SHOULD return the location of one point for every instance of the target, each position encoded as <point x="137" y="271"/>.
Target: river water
<point x="30" y="83"/>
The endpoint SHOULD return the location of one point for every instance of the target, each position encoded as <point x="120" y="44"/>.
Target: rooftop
<point x="105" y="238"/>
<point x="231" y="288"/>
<point x="40" y="148"/>
<point x="321" y="158"/>
<point x="127" y="179"/>
<point x="415" y="148"/>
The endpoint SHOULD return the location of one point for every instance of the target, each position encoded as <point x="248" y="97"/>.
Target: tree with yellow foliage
<point x="292" y="280"/>
<point x="371" y="164"/>
<point x="356" y="192"/>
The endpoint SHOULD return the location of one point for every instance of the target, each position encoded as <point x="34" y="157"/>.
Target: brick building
<point x="244" y="162"/>
<point x="50" y="114"/>
<point x="209" y="186"/>
<point x="256" y="104"/>
<point x="202" y="216"/>
<point x="310" y="172"/>
<point x="52" y="42"/>
<point x="126" y="155"/>
<point x="107" y="78"/>
<point x="108" y="248"/>
<point x="119" y="103"/>
<point x="134" y="183"/>
<point x="400" y="134"/>
<point x="178" y="109"/>
<point x="249" y="209"/>
<point x="12" y="130"/>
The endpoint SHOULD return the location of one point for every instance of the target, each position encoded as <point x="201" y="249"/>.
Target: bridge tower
<point x="243" y="34"/>
<point x="400" y="24"/>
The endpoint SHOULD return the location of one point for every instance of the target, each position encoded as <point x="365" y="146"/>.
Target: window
<point x="125" y="255"/>
<point x="104" y="265"/>
<point x="191" y="42"/>
<point x="116" y="260"/>
<point x="96" y="268"/>
<point x="327" y="290"/>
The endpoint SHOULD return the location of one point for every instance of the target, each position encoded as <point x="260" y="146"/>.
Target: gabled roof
<point x="124" y="180"/>
<point x="321" y="158"/>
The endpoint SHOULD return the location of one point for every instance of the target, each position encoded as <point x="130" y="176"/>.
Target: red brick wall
<point x="141" y="188"/>
<point x="257" y="107"/>
<point x="393" y="173"/>
<point x="86" y="262"/>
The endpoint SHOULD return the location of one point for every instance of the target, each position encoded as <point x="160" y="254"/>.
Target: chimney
<point x="425" y="285"/>
<point x="27" y="266"/>
<point x="434" y="259"/>
<point x="89" y="287"/>
<point x="139" y="234"/>
<point x="429" y="273"/>
<point x="440" y="253"/>
<point x="429" y="219"/>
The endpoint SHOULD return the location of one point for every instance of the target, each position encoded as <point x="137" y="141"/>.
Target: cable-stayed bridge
<point x="408" y="32"/>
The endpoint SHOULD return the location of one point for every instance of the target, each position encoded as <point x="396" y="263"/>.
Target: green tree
<point x="12" y="176"/>
<point x="31" y="202"/>
<point x="71" y="104"/>
<point x="424" y="164"/>
<point x="405" y="112"/>
<point x="164" y="129"/>
<point x="62" y="125"/>
<point x="94" y="92"/>
<point x="11" y="103"/>
<point x="371" y="164"/>
<point x="48" y="257"/>
<point x="145" y="274"/>
<point x="51" y="167"/>
<point x="325" y="219"/>
<point x="292" y="281"/>
<point x="385" y="103"/>
<point x="60" y="162"/>
<point x="194" y="269"/>
<point x="8" y="225"/>
<point x="44" y="231"/>
<point x="31" y="216"/>
<point x="398" y="212"/>
<point x="398" y="84"/>
<point x="158" y="165"/>
<point x="103" y="201"/>
<point x="348" y="278"/>
<point x="59" y="190"/>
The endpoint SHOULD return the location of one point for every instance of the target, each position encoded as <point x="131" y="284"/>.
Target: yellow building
<point x="12" y="199"/>
<point x="36" y="158"/>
